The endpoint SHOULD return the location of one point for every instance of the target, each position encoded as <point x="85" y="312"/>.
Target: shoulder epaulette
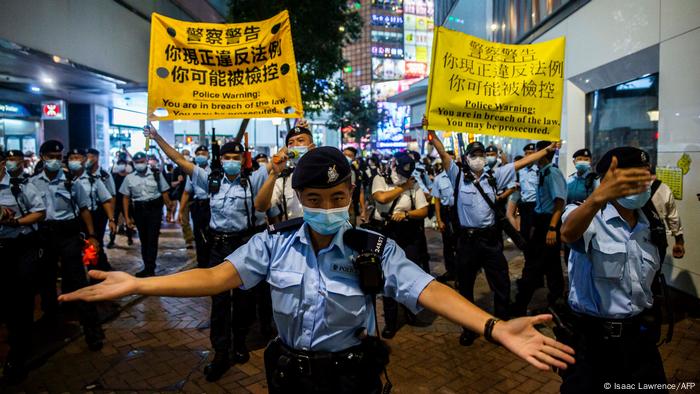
<point x="288" y="225"/>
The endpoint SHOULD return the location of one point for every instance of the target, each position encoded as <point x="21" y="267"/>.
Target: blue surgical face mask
<point x="201" y="160"/>
<point x="231" y="167"/>
<point x="348" y="159"/>
<point x="11" y="166"/>
<point x="52" y="165"/>
<point x="140" y="167"/>
<point x="75" y="165"/>
<point x="120" y="167"/>
<point x="583" y="166"/>
<point x="491" y="160"/>
<point x="326" y="221"/>
<point x="89" y="163"/>
<point x="635" y="201"/>
<point x="296" y="152"/>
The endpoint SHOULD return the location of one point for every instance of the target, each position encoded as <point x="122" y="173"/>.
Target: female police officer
<point x="318" y="305"/>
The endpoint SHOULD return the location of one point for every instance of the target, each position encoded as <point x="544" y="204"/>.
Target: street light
<point x="277" y="122"/>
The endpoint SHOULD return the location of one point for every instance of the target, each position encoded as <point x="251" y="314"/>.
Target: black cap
<point x="93" y="151"/>
<point x="474" y="147"/>
<point x="491" y="149"/>
<point x="529" y="146"/>
<point x="201" y="148"/>
<point x="76" y="151"/>
<point x="542" y="145"/>
<point x="414" y="155"/>
<point x="232" y="147"/>
<point x="2" y="156"/>
<point x="260" y="156"/>
<point x="139" y="156"/>
<point x="51" y="146"/>
<point x="351" y="149"/>
<point x="14" y="153"/>
<point x="297" y="130"/>
<point x="321" y="168"/>
<point x="627" y="157"/>
<point x="582" y="153"/>
<point x="405" y="165"/>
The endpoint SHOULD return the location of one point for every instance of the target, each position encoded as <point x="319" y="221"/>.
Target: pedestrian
<point x="67" y="214"/>
<point x="233" y="220"/>
<point x="199" y="207"/>
<point x="444" y="205"/>
<point x="21" y="208"/>
<point x="324" y="312"/>
<point x="184" y="212"/>
<point x="400" y="209"/>
<point x="147" y="190"/>
<point x="613" y="262"/>
<point x="665" y="204"/>
<point x="545" y="243"/>
<point x="480" y="243"/>
<point x="358" y="209"/>
<point x="581" y="183"/>
<point x="119" y="173"/>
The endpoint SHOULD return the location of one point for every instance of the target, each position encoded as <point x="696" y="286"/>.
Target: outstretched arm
<point x="517" y="335"/>
<point x="186" y="166"/>
<point x="435" y="141"/>
<point x="198" y="282"/>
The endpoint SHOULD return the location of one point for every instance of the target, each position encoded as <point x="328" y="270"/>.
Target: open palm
<point x="520" y="337"/>
<point x="114" y="285"/>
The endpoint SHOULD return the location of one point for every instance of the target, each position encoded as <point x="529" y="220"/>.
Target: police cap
<point x="491" y="149"/>
<point x="297" y="130"/>
<point x="414" y="155"/>
<point x="627" y="157"/>
<point x="14" y="153"/>
<point x="542" y="145"/>
<point x="201" y="148"/>
<point x="529" y="146"/>
<point x="260" y="156"/>
<point x="93" y="151"/>
<point x="582" y="153"/>
<point x="475" y="147"/>
<point x="231" y="147"/>
<point x="321" y="168"/>
<point x="139" y="156"/>
<point x="404" y="164"/>
<point x="76" y="151"/>
<point x="51" y="146"/>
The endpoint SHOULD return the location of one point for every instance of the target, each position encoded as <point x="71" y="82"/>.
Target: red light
<point x="189" y="140"/>
<point x="656" y="136"/>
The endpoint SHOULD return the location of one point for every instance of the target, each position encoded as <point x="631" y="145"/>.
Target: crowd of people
<point x="264" y="231"/>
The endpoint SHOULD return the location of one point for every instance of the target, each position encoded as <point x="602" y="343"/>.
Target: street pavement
<point x="162" y="344"/>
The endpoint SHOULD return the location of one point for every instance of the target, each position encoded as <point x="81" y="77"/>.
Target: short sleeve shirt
<point x="403" y="205"/>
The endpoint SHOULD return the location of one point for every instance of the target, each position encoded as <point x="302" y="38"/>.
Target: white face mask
<point x="398" y="179"/>
<point x="476" y="163"/>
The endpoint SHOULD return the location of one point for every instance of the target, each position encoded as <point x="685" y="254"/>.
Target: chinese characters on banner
<point x="483" y="87"/>
<point x="214" y="71"/>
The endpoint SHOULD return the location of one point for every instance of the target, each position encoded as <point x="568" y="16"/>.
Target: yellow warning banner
<point x="214" y="71"/>
<point x="484" y="87"/>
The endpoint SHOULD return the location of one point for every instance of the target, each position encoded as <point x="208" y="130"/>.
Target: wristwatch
<point x="552" y="228"/>
<point x="405" y="215"/>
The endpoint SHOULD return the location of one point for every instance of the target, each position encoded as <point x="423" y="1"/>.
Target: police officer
<point x="101" y="198"/>
<point x="527" y="178"/>
<point x="233" y="220"/>
<point x="21" y="208"/>
<point x="613" y="262"/>
<point x="277" y="190"/>
<point x="118" y="175"/>
<point x="147" y="189"/>
<point x="67" y="210"/>
<point x="400" y="209"/>
<point x="581" y="183"/>
<point x="358" y="208"/>
<point x="444" y="204"/>
<point x="479" y="238"/>
<point x="326" y="322"/>
<point x="199" y="208"/>
<point x="545" y="245"/>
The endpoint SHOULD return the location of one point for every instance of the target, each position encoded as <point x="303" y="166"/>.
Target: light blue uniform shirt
<point x="97" y="191"/>
<point x="443" y="190"/>
<point x="612" y="266"/>
<point x="473" y="210"/>
<point x="142" y="187"/>
<point x="197" y="192"/>
<point x="528" y="183"/>
<point x="57" y="198"/>
<point x="576" y="187"/>
<point x="316" y="299"/>
<point x="30" y="200"/>
<point x="422" y="178"/>
<point x="228" y="206"/>
<point x="108" y="180"/>
<point x="553" y="187"/>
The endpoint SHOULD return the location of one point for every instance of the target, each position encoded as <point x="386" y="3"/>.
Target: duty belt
<point x="471" y="232"/>
<point x="303" y="363"/>
<point x="149" y="203"/>
<point x="60" y="226"/>
<point x="609" y="328"/>
<point x="224" y="236"/>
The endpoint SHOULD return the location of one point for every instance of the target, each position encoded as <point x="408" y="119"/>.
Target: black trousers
<point x="99" y="225"/>
<point x="225" y="321"/>
<point x="449" y="241"/>
<point x="17" y="285"/>
<point x="119" y="210"/>
<point x="546" y="260"/>
<point x="407" y="235"/>
<point x="63" y="243"/>
<point x="483" y="249"/>
<point x="327" y="379"/>
<point x="632" y="359"/>
<point x="148" y="217"/>
<point x="201" y="214"/>
<point x="527" y="227"/>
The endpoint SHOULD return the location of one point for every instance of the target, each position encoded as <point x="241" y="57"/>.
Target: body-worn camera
<point x="369" y="268"/>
